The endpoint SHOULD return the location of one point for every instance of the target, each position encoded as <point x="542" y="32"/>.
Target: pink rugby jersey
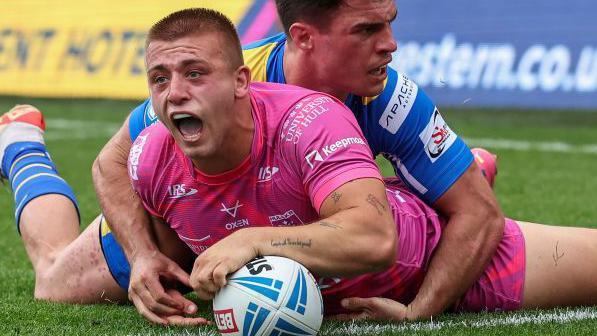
<point x="306" y="145"/>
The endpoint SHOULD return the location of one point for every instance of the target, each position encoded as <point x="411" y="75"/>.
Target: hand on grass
<point x="375" y="308"/>
<point x="158" y="304"/>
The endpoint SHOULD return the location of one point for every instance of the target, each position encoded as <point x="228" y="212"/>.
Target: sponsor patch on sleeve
<point x="399" y="105"/>
<point x="437" y="137"/>
<point x="134" y="155"/>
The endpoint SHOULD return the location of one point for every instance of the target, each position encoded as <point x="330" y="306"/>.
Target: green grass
<point x="542" y="186"/>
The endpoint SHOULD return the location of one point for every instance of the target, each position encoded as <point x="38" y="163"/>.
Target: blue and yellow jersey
<point x="401" y="123"/>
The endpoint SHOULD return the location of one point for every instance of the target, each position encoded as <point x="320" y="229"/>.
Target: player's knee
<point x="55" y="288"/>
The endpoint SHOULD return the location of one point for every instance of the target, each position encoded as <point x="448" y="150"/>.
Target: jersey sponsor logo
<point x="225" y="321"/>
<point x="266" y="173"/>
<point x="399" y="105"/>
<point x="237" y="224"/>
<point x="303" y="114"/>
<point x="134" y="155"/>
<point x="179" y="190"/>
<point x="232" y="210"/>
<point x="288" y="218"/>
<point x="315" y="155"/>
<point x="437" y="137"/>
<point x="312" y="157"/>
<point x="330" y="149"/>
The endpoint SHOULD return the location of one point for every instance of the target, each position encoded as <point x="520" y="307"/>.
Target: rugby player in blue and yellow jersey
<point x="342" y="48"/>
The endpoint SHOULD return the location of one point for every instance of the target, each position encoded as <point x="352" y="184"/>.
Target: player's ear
<point x="243" y="78"/>
<point x="301" y="35"/>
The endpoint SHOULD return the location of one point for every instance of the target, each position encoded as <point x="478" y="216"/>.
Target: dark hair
<point x="310" y="11"/>
<point x="192" y="21"/>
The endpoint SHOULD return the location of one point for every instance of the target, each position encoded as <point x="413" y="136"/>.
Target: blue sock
<point x="31" y="174"/>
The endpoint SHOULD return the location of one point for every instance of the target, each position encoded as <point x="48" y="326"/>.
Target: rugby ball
<point x="269" y="296"/>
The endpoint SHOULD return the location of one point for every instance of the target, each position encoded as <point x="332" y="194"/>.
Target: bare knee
<point x="76" y="288"/>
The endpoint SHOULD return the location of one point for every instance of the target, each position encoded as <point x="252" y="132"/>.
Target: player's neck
<point x="300" y="71"/>
<point x="237" y="146"/>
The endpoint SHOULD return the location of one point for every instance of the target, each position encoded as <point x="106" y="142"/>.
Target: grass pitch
<point x="546" y="174"/>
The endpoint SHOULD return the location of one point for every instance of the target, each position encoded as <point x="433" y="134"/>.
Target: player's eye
<point x="160" y="79"/>
<point x="194" y="74"/>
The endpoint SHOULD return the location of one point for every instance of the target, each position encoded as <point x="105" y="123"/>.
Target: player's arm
<point x="469" y="241"/>
<point x="130" y="224"/>
<point x="436" y="163"/>
<point x="120" y="204"/>
<point x="356" y="235"/>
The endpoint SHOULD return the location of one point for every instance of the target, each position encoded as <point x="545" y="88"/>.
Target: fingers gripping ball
<point x="487" y="162"/>
<point x="269" y="296"/>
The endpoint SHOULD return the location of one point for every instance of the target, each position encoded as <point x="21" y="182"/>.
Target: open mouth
<point x="379" y="71"/>
<point x="189" y="126"/>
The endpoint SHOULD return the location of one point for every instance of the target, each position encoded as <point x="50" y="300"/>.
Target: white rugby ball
<point x="269" y="296"/>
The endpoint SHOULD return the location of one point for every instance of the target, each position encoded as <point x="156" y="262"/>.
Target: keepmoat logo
<point x="315" y="155"/>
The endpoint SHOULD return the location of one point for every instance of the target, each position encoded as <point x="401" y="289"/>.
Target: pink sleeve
<point x="330" y="150"/>
<point x="141" y="168"/>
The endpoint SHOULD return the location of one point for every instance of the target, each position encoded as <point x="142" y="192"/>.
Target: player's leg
<point x="561" y="266"/>
<point x="66" y="264"/>
<point x="78" y="273"/>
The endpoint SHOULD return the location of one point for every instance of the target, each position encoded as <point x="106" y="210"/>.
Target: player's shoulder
<point x="149" y="150"/>
<point x="291" y="109"/>
<point x="400" y="99"/>
<point x="284" y="98"/>
<point x="265" y="58"/>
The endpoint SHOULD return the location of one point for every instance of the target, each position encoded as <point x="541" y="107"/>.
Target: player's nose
<point x="387" y="43"/>
<point x="178" y="90"/>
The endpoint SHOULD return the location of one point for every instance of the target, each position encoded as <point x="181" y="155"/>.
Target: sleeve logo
<point x="437" y="137"/>
<point x="399" y="105"/>
<point x="134" y="155"/>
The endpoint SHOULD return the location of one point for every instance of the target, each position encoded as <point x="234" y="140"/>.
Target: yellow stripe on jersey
<point x="256" y="60"/>
<point x="104" y="227"/>
<point x="368" y="100"/>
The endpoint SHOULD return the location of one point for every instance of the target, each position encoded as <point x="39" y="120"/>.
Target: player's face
<point x="192" y="89"/>
<point x="357" y="46"/>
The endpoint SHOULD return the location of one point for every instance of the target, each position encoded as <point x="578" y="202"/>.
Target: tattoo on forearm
<point x="371" y="199"/>
<point x="291" y="243"/>
<point x="330" y="225"/>
<point x="336" y="196"/>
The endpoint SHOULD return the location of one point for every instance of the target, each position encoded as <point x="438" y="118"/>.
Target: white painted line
<point x="59" y="129"/>
<point x="520" y="145"/>
<point x="507" y="319"/>
<point x="62" y="129"/>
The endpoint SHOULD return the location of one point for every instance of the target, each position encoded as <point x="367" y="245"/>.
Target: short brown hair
<point x="310" y="11"/>
<point x="192" y="21"/>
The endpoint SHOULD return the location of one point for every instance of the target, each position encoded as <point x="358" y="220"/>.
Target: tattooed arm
<point x="356" y="235"/>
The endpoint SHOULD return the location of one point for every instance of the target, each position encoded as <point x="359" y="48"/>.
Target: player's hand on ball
<point x="214" y="264"/>
<point x="153" y="301"/>
<point x="375" y="308"/>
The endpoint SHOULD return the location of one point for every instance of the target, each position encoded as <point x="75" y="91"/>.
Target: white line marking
<point x="511" y="319"/>
<point x="60" y="129"/>
<point x="525" y="146"/>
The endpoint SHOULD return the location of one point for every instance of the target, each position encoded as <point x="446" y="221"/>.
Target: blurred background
<point x="476" y="53"/>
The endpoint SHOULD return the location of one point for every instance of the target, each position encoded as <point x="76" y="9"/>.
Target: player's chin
<point x="373" y="89"/>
